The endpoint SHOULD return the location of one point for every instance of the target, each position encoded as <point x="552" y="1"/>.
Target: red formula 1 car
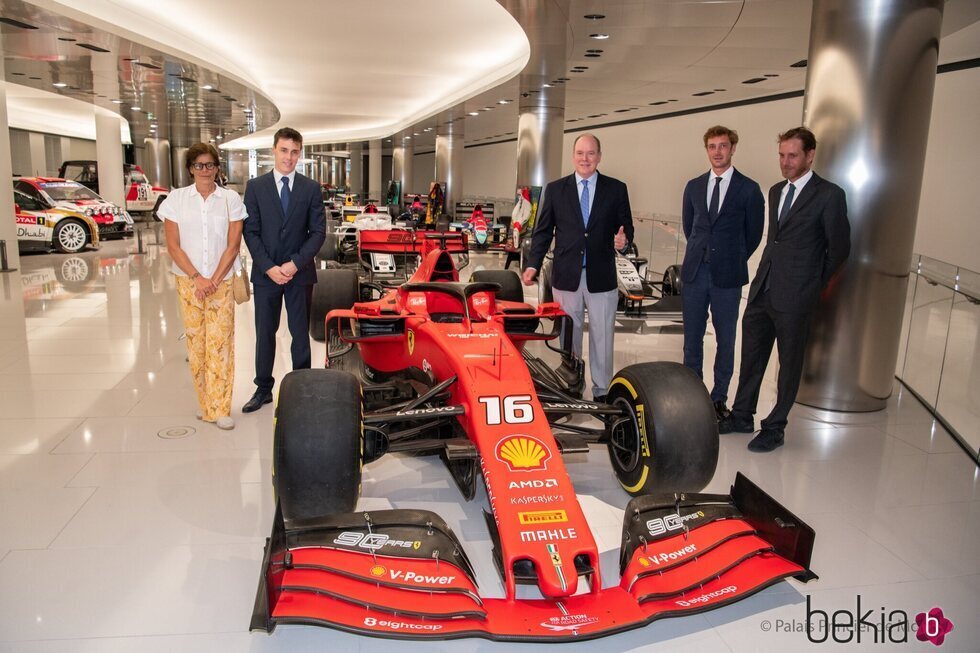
<point x="438" y="366"/>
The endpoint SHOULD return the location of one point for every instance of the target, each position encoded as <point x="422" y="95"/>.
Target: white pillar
<point x="39" y="165"/>
<point x="374" y="172"/>
<point x="108" y="151"/>
<point x="8" y="230"/>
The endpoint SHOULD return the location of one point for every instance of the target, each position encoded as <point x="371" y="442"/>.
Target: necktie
<point x="787" y="203"/>
<point x="584" y="201"/>
<point x="584" y="205"/>
<point x="284" y="195"/>
<point x="713" y="205"/>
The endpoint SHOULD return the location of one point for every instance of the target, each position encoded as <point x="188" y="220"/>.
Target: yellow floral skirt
<point x="209" y="325"/>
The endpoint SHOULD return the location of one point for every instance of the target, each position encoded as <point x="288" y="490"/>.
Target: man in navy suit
<point x="284" y="229"/>
<point x="723" y="216"/>
<point x="809" y="239"/>
<point x="588" y="216"/>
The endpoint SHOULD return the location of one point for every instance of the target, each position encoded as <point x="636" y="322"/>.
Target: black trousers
<point x="761" y="327"/>
<point x="268" y="309"/>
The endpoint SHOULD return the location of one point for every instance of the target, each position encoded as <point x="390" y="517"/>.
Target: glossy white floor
<point x="126" y="525"/>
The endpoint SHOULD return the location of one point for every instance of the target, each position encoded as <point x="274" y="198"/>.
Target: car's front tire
<point x="670" y="441"/>
<point x="70" y="236"/>
<point x="318" y="444"/>
<point x="333" y="289"/>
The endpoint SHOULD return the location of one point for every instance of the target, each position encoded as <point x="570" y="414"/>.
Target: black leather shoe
<point x="599" y="399"/>
<point x="767" y="440"/>
<point x="734" y="424"/>
<point x="721" y="410"/>
<point x="259" y="399"/>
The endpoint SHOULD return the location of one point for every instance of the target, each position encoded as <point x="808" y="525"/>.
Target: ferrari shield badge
<point x="411" y="342"/>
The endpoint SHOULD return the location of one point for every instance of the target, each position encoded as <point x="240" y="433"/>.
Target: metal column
<point x="356" y="168"/>
<point x="158" y="161"/>
<point x="374" y="169"/>
<point x="870" y="81"/>
<point x="449" y="161"/>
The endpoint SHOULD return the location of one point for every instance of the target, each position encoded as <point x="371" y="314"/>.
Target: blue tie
<point x="284" y="195"/>
<point x="584" y="201"/>
<point x="584" y="205"/>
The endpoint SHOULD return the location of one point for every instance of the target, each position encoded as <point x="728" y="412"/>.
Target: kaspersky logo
<point x="522" y="453"/>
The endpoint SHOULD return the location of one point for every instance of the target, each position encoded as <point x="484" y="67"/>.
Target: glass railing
<point x="939" y="353"/>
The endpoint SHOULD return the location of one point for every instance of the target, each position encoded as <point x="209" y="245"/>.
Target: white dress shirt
<point x="203" y="225"/>
<point x="726" y="180"/>
<point x="798" y="185"/>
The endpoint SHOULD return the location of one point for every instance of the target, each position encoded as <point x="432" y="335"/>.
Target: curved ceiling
<point x="336" y="71"/>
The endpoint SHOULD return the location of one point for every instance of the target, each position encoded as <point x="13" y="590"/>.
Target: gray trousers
<point x="602" y="328"/>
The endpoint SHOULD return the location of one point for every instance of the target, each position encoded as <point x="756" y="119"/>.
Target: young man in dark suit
<point x="809" y="239"/>
<point x="723" y="216"/>
<point x="284" y="229"/>
<point x="588" y="216"/>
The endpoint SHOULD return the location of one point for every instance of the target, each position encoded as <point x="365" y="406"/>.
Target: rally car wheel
<point x="70" y="236"/>
<point x="511" y="288"/>
<point x="317" y="447"/>
<point x="333" y="289"/>
<point x="670" y="441"/>
<point x="156" y="208"/>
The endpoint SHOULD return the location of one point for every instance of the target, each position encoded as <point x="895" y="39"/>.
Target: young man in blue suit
<point x="284" y="229"/>
<point x="587" y="214"/>
<point x="723" y="216"/>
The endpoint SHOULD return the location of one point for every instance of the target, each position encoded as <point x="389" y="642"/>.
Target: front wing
<point x="403" y="574"/>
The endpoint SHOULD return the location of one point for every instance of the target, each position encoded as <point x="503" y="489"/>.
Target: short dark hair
<point x="196" y="150"/>
<point x="804" y="135"/>
<point x="289" y="134"/>
<point x="719" y="130"/>
<point x="598" y="145"/>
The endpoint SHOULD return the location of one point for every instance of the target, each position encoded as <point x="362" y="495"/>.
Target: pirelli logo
<point x="543" y="517"/>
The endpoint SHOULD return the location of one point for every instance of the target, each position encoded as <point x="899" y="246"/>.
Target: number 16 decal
<point x="517" y="409"/>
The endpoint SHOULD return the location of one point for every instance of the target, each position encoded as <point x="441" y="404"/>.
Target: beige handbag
<point x="240" y="287"/>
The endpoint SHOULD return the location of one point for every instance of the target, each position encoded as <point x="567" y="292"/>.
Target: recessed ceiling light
<point x="219" y="137"/>
<point x="37" y="78"/>
<point x="594" y="16"/>
<point x="59" y="84"/>
<point x="474" y="113"/>
<point x="593" y="56"/>
<point x="415" y="133"/>
<point x="599" y="37"/>
<point x="207" y="87"/>
<point x="65" y="38"/>
<point x="771" y="75"/>
<point x="547" y="86"/>
<point x="117" y="101"/>
<point x="799" y="64"/>
<point x="408" y="138"/>
<point x="135" y="108"/>
<point x="504" y="101"/>
<point x="89" y="46"/>
<point x="595" y="51"/>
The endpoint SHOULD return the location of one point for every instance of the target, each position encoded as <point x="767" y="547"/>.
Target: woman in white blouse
<point x="203" y="224"/>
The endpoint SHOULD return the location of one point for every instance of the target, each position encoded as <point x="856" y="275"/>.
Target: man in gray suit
<point x="284" y="229"/>
<point x="809" y="239"/>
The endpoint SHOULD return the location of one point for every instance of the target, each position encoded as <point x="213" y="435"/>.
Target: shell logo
<point x="643" y="562"/>
<point x="378" y="571"/>
<point x="522" y="453"/>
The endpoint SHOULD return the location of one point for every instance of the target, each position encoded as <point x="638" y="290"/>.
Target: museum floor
<point x="127" y="525"/>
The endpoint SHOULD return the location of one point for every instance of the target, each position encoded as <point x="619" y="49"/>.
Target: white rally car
<point x="53" y="192"/>
<point x="40" y="227"/>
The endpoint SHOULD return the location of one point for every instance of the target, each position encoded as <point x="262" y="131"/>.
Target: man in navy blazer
<point x="588" y="216"/>
<point x="809" y="239"/>
<point x="284" y="229"/>
<point x="723" y="216"/>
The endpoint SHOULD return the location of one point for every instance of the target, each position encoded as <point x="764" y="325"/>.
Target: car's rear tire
<point x="328" y="251"/>
<point x="672" y="281"/>
<point x="333" y="289"/>
<point x="317" y="444"/>
<point x="511" y="288"/>
<point x="670" y="444"/>
<point x="545" y="293"/>
<point x="70" y="236"/>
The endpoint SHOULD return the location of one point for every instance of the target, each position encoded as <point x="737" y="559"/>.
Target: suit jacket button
<point x="586" y="234"/>
<point x="775" y="242"/>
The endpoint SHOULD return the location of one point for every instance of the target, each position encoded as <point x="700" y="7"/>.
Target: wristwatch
<point x="195" y="275"/>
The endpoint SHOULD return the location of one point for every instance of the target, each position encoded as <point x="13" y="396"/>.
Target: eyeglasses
<point x="202" y="166"/>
